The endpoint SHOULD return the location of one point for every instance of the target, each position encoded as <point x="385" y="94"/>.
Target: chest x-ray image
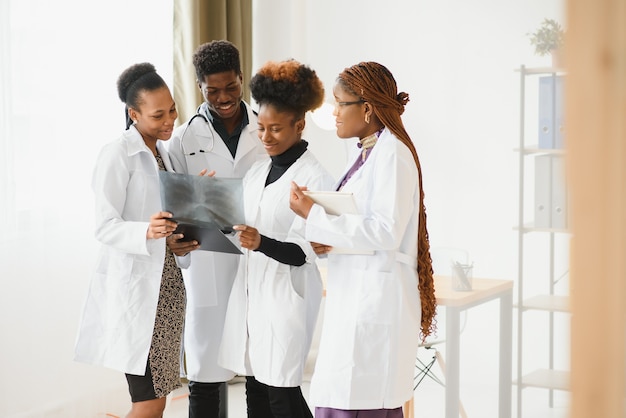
<point x="205" y="208"/>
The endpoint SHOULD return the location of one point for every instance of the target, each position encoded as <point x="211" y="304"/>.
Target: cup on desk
<point x="461" y="276"/>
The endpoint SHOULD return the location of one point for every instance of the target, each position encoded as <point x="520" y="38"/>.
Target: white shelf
<point x="534" y="149"/>
<point x="541" y="70"/>
<point x="551" y="303"/>
<point x="530" y="227"/>
<point x="546" y="379"/>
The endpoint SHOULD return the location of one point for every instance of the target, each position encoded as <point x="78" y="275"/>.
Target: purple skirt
<point x="358" y="413"/>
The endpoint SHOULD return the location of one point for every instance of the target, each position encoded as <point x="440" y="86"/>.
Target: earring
<point x="367" y="118"/>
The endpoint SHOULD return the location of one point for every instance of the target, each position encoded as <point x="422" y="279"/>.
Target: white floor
<point x="478" y="376"/>
<point x="477" y="400"/>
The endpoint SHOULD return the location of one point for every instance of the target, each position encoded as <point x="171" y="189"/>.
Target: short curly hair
<point x="288" y="86"/>
<point x="216" y="57"/>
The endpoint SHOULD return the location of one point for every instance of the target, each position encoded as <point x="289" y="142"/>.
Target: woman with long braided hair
<point x="380" y="302"/>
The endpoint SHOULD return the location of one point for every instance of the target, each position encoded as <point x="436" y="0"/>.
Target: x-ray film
<point x="204" y="206"/>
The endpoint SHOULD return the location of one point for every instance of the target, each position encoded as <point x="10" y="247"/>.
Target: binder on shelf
<point x="543" y="189"/>
<point x="559" y="127"/>
<point x="550" y="192"/>
<point x="550" y="109"/>
<point x="559" y="194"/>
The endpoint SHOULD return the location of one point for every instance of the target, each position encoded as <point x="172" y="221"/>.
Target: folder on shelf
<point x="550" y="111"/>
<point x="559" y="194"/>
<point x="543" y="190"/>
<point x="550" y="192"/>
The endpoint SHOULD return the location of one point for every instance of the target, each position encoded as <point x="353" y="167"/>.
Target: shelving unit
<point x="550" y="302"/>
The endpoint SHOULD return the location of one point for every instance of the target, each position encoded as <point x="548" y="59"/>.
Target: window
<point x="58" y="71"/>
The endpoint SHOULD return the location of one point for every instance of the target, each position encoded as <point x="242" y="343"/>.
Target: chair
<point x="442" y="258"/>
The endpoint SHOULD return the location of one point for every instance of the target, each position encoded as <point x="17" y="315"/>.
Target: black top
<point x="280" y="163"/>
<point x="283" y="252"/>
<point x="231" y="139"/>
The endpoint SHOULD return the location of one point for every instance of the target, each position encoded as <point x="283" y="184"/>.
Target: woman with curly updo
<point x="377" y="303"/>
<point x="275" y="299"/>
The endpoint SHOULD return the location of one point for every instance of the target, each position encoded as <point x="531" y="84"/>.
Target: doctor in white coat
<point x="275" y="300"/>
<point x="221" y="137"/>
<point x="133" y="316"/>
<point x="376" y="303"/>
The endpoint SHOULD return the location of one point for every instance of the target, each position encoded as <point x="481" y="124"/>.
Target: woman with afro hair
<point x="378" y="304"/>
<point x="276" y="295"/>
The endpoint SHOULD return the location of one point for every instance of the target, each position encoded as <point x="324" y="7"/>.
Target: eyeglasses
<point x="344" y="104"/>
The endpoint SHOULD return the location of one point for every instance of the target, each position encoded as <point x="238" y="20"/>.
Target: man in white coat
<point x="222" y="137"/>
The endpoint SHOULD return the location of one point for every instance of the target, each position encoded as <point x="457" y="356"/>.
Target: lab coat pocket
<point x="297" y="279"/>
<point x="372" y="359"/>
<point x="378" y="299"/>
<point x="115" y="265"/>
<point x="109" y="289"/>
<point x="289" y="311"/>
<point x="205" y="271"/>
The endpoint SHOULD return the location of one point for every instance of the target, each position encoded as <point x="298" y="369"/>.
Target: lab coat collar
<point x="355" y="153"/>
<point x="135" y="141"/>
<point x="244" y="146"/>
<point x="136" y="145"/>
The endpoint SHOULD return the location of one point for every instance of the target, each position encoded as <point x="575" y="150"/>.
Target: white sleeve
<point x="385" y="208"/>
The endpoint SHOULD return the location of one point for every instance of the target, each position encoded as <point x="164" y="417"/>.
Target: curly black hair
<point x="216" y="57"/>
<point x="134" y="80"/>
<point x="288" y="86"/>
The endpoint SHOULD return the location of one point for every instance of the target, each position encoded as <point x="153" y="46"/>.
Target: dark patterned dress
<point x="168" y="325"/>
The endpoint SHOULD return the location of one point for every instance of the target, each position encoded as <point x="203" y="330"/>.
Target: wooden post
<point x="596" y="169"/>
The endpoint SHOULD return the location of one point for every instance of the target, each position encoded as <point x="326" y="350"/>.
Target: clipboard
<point x="337" y="203"/>
<point x="209" y="237"/>
<point x="334" y="203"/>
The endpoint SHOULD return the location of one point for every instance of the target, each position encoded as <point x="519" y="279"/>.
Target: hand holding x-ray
<point x="204" y="207"/>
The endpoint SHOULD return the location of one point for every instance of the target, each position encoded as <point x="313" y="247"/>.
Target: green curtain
<point x="200" y="21"/>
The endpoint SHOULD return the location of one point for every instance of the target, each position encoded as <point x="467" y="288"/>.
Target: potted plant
<point x="548" y="39"/>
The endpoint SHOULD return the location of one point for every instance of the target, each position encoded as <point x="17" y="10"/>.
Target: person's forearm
<point x="283" y="252"/>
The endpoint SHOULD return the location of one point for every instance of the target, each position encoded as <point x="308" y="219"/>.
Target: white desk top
<point x="482" y="290"/>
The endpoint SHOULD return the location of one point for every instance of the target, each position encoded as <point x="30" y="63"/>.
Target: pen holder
<point x="461" y="276"/>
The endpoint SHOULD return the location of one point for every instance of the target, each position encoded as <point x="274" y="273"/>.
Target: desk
<point x="483" y="290"/>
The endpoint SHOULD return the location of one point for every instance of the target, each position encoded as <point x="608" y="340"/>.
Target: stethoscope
<point x="199" y="151"/>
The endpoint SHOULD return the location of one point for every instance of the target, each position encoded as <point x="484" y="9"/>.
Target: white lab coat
<point x="118" y="316"/>
<point x="370" y="332"/>
<point x="273" y="307"/>
<point x="210" y="275"/>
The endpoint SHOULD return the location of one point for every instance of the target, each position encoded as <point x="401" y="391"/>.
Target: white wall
<point x="60" y="62"/>
<point x="455" y="58"/>
<point x="457" y="61"/>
